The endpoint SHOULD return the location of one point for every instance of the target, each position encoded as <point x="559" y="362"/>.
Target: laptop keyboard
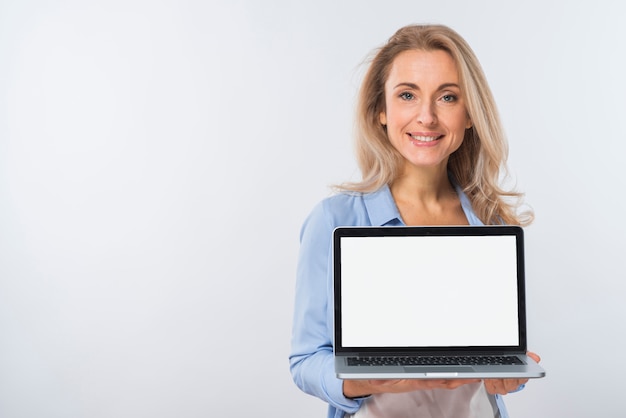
<point x="434" y="361"/>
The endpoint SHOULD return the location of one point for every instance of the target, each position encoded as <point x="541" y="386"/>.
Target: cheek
<point x="461" y="122"/>
<point x="398" y="116"/>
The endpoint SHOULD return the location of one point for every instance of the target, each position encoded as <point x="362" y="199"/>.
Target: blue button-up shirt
<point x="311" y="358"/>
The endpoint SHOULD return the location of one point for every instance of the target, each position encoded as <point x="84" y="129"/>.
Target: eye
<point x="449" y="98"/>
<point x="406" y="96"/>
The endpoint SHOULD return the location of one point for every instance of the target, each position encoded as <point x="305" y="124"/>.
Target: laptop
<point x="430" y="303"/>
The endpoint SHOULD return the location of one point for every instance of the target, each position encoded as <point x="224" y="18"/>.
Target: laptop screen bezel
<point x="375" y="231"/>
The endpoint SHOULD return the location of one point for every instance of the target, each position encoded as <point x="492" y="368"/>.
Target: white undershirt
<point x="467" y="401"/>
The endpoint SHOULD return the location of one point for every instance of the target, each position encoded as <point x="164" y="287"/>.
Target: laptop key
<point x="433" y="361"/>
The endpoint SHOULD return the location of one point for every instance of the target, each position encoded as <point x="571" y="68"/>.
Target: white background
<point x="157" y="159"/>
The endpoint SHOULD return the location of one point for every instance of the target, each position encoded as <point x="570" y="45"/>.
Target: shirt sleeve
<point x="311" y="359"/>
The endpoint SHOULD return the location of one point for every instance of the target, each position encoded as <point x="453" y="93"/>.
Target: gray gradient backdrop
<point x="157" y="159"/>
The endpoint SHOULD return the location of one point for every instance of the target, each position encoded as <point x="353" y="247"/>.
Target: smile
<point x="422" y="138"/>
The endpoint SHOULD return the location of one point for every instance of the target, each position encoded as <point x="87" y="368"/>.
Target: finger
<point x="511" y="385"/>
<point x="534" y="356"/>
<point x="520" y="382"/>
<point x="453" y="384"/>
<point x="496" y="387"/>
<point x="503" y="386"/>
<point x="386" y="382"/>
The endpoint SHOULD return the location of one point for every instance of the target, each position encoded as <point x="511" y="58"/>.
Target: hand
<point x="504" y="386"/>
<point x="359" y="388"/>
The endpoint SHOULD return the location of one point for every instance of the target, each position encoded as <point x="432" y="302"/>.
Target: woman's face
<point x="425" y="111"/>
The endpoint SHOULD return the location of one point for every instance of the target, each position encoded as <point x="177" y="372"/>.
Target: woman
<point x="431" y="150"/>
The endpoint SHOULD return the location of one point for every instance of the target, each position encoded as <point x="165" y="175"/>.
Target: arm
<point x="311" y="359"/>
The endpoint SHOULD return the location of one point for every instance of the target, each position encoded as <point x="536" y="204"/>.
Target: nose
<point x="426" y="115"/>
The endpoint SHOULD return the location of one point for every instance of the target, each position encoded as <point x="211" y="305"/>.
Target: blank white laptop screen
<point x="429" y="291"/>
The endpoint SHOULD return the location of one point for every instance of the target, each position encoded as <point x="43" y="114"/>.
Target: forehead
<point x="423" y="67"/>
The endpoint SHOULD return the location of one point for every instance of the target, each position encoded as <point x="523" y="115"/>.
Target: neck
<point x="426" y="185"/>
<point x="426" y="197"/>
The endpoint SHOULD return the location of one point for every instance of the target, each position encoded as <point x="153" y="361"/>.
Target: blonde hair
<point x="477" y="166"/>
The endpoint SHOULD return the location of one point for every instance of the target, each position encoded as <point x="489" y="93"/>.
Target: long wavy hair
<point x="478" y="166"/>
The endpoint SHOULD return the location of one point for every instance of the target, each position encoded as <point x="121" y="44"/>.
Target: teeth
<point x="424" y="138"/>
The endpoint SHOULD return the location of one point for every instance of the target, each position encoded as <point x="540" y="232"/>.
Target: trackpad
<point x="441" y="369"/>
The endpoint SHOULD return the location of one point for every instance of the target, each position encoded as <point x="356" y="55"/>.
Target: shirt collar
<point x="381" y="208"/>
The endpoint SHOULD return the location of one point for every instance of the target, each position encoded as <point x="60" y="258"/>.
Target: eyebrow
<point x="416" y="87"/>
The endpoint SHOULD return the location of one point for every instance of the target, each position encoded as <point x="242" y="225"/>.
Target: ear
<point x="469" y="123"/>
<point x="382" y="117"/>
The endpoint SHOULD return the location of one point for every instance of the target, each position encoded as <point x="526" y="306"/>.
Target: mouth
<point x="424" y="138"/>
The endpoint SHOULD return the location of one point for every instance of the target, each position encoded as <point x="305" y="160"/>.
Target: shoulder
<point x="356" y="209"/>
<point x="342" y="209"/>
